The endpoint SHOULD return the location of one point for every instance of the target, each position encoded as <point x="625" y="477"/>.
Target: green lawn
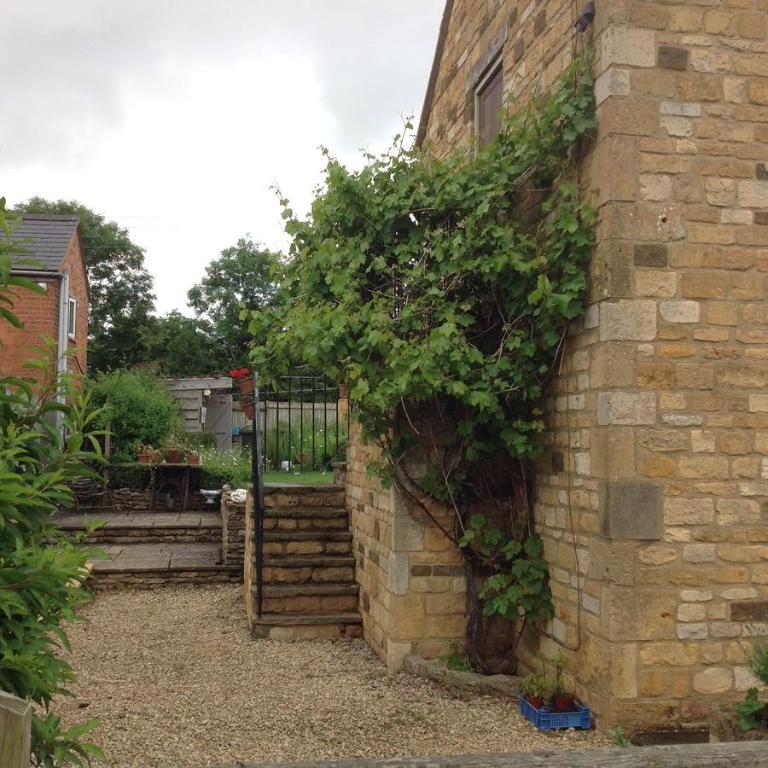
<point x="302" y="478"/>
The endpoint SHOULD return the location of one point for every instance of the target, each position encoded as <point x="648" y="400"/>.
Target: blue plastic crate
<point x="545" y="720"/>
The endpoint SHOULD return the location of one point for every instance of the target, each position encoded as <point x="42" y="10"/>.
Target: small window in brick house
<point x="72" y="319"/>
<point x="488" y="102"/>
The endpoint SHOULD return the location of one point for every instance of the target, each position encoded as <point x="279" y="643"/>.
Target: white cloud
<point x="175" y="117"/>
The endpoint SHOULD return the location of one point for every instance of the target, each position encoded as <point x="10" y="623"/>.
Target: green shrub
<point x="198" y="441"/>
<point x="137" y="409"/>
<point x="130" y="475"/>
<point x="225" y="468"/>
<point x="41" y="572"/>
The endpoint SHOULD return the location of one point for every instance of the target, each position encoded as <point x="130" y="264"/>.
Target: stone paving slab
<point x="144" y="520"/>
<point x="134" y="558"/>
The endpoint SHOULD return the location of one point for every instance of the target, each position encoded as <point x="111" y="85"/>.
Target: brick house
<point x="653" y="489"/>
<point x="61" y="313"/>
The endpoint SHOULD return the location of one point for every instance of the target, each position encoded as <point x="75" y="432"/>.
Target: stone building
<point x="61" y="311"/>
<point x="653" y="490"/>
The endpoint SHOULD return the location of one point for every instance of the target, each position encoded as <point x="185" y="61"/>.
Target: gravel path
<point x="177" y="682"/>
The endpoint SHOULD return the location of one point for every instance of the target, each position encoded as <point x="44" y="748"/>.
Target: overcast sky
<point x="175" y="117"/>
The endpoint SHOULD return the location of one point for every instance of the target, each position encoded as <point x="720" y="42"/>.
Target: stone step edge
<point x="302" y="490"/>
<point x="308" y="561"/>
<point x="321" y="534"/>
<point x="308" y="512"/>
<point x="308" y="590"/>
<point x="306" y="619"/>
<point x="96" y="570"/>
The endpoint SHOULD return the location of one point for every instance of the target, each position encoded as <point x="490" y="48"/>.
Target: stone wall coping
<point x="494" y="685"/>
<point x="744" y="755"/>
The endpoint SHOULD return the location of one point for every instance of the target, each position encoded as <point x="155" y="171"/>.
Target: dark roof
<point x="430" y="95"/>
<point x="45" y="238"/>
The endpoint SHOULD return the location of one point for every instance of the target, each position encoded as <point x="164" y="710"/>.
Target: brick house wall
<point x="653" y="488"/>
<point x="40" y="315"/>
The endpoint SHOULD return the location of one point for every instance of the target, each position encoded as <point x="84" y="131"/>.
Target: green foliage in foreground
<point x="441" y="291"/>
<point x="752" y="712"/>
<point x="41" y="573"/>
<point x="137" y="408"/>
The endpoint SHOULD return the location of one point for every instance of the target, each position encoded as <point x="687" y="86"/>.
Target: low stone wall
<point x="508" y="686"/>
<point x="135" y="500"/>
<point x="232" y="531"/>
<point x="105" y="581"/>
<point x="156" y="535"/>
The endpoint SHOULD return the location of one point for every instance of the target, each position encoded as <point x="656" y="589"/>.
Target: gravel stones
<point x="176" y="681"/>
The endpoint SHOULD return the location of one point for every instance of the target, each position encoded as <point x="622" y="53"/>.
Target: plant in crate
<point x="537" y="689"/>
<point x="562" y="700"/>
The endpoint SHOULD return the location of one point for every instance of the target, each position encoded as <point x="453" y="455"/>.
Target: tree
<point x="182" y="346"/>
<point x="121" y="297"/>
<point x="245" y="277"/>
<point x="42" y="574"/>
<point x="137" y="409"/>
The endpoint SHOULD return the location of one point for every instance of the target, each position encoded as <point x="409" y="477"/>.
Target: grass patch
<point x="300" y="478"/>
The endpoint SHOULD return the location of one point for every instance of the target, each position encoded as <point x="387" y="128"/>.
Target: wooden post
<point x="15" y="731"/>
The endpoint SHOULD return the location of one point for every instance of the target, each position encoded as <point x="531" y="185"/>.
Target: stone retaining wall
<point x="232" y="531"/>
<point x="106" y="581"/>
<point x="412" y="579"/>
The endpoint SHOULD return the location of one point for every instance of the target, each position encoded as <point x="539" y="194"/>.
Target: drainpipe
<point x="63" y="341"/>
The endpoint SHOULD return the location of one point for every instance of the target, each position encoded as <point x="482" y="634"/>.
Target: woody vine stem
<point x="441" y="291"/>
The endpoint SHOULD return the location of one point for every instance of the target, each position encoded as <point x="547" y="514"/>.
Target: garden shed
<point x="206" y="405"/>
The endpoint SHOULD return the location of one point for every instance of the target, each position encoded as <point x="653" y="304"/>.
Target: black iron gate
<point x="304" y="421"/>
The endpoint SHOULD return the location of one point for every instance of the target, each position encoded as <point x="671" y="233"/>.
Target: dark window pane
<point x="489" y="101"/>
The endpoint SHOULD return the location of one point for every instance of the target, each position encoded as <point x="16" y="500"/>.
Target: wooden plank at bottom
<point x="15" y="731"/>
<point x="750" y="754"/>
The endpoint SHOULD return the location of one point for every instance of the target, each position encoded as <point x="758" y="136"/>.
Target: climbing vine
<point x="441" y="291"/>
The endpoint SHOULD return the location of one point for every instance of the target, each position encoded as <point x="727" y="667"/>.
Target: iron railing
<point x="257" y="476"/>
<point x="305" y="424"/>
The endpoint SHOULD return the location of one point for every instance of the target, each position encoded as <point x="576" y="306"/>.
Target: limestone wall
<point x="412" y="582"/>
<point x="653" y="487"/>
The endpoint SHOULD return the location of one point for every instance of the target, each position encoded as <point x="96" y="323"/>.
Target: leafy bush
<point x="42" y="575"/>
<point x="137" y="408"/>
<point x="130" y="475"/>
<point x="225" y="468"/>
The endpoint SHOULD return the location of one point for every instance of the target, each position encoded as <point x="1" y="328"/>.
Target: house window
<point x="488" y="103"/>
<point x="72" y="319"/>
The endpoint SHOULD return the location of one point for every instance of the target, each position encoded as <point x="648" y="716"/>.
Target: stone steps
<point x="309" y="588"/>
<point x="310" y="598"/>
<point x="307" y="542"/>
<point x="148" y="565"/>
<point x="314" y="626"/>
<point x="310" y="568"/>
<point x="147" y="527"/>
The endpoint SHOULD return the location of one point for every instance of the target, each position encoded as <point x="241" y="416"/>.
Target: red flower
<point x="239" y="373"/>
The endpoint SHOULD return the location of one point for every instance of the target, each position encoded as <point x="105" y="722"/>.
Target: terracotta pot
<point x="144" y="458"/>
<point x="193" y="458"/>
<point x="174" y="457"/>
<point x="563" y="702"/>
<point x="538" y="703"/>
<point x="247" y="400"/>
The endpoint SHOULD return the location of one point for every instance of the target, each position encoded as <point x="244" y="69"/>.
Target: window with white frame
<point x="489" y="97"/>
<point x="72" y="319"/>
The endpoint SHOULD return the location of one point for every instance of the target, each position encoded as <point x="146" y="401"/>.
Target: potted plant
<point x="173" y="451"/>
<point x="193" y="457"/>
<point x="146" y="454"/>
<point x="562" y="701"/>
<point x="537" y="689"/>
<point x="246" y="383"/>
